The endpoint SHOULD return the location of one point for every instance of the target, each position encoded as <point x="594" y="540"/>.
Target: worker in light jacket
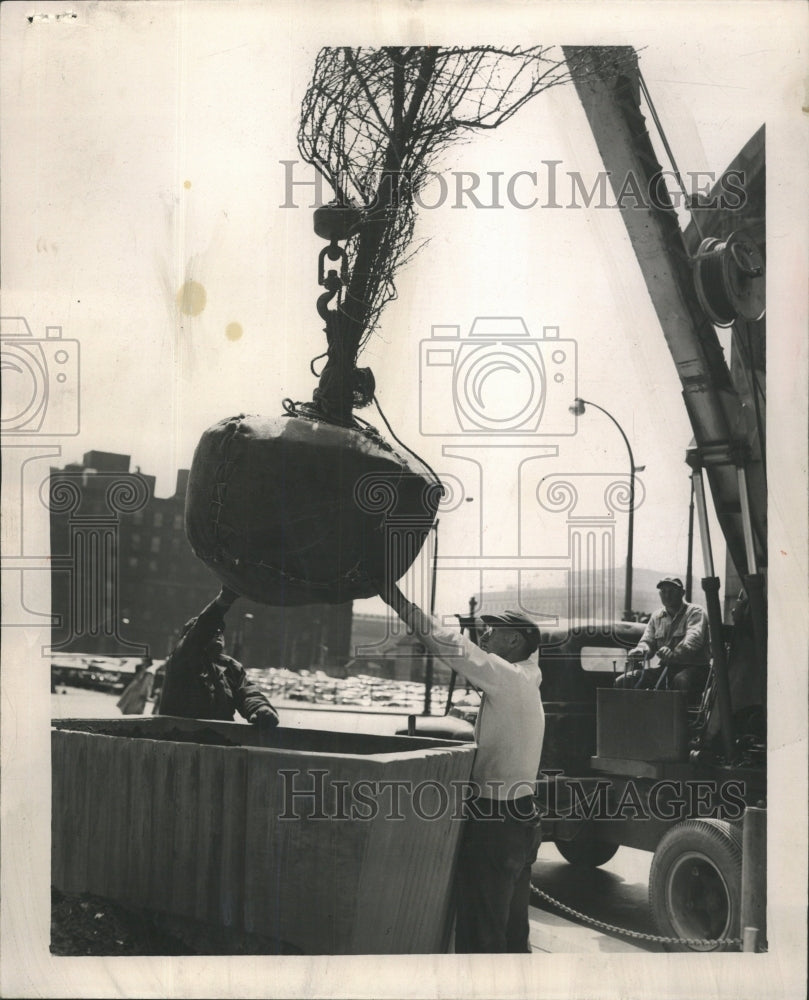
<point x="678" y="635"/>
<point x="501" y="833"/>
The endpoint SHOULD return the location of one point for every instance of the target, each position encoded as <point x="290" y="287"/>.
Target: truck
<point x="644" y="768"/>
<point x="686" y="782"/>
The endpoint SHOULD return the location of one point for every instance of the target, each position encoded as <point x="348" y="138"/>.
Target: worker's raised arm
<point x="457" y="651"/>
<point x="208" y="622"/>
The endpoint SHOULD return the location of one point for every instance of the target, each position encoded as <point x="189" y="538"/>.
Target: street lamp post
<point x="578" y="409"/>
<point x="239" y="641"/>
<point x="428" y="663"/>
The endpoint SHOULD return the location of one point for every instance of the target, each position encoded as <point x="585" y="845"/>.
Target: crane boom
<point x="726" y="439"/>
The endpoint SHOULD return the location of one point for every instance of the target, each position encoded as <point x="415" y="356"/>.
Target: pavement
<point x="616" y="893"/>
<point x="554" y="935"/>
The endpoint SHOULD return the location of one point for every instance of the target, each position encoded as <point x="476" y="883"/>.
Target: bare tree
<point x="372" y="122"/>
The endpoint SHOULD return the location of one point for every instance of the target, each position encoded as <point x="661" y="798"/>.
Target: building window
<point x="133" y="562"/>
<point x="175" y="545"/>
<point x="152" y="565"/>
<point x="178" y="522"/>
<point x="155" y="546"/>
<point x="137" y="517"/>
<point x="136" y="540"/>
<point x="158" y="519"/>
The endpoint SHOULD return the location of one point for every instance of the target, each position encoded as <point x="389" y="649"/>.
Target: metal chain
<point x="633" y="934"/>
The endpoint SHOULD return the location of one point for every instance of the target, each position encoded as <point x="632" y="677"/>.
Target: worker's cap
<point x="519" y="622"/>
<point x="673" y="581"/>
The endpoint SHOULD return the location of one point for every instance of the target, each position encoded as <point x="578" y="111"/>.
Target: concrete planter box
<point x="185" y="818"/>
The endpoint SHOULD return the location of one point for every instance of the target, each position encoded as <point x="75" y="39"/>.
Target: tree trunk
<point x="334" y="394"/>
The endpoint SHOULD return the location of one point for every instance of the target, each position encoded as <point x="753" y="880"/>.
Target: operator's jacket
<point x="686" y="633"/>
<point x="199" y="685"/>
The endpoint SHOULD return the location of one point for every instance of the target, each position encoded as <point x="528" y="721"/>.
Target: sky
<point x="147" y="214"/>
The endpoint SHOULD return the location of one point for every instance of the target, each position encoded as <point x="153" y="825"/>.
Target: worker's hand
<point x="378" y="573"/>
<point x="665" y="654"/>
<point x="264" y="717"/>
<point x="637" y="653"/>
<point x="226" y="597"/>
<point x="386" y="588"/>
<point x="393" y="597"/>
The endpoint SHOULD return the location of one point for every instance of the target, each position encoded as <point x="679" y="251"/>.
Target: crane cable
<point x="747" y="347"/>
<point x="688" y="200"/>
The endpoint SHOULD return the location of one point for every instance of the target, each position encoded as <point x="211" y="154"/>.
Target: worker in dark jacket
<point x="202" y="682"/>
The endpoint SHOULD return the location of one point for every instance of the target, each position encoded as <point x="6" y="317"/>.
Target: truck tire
<point x="585" y="851"/>
<point x="695" y="884"/>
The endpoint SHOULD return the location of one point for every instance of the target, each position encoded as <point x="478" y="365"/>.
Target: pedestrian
<point x="157" y="687"/>
<point x="501" y="833"/>
<point x="137" y="692"/>
<point x="201" y="682"/>
<point x="678" y="634"/>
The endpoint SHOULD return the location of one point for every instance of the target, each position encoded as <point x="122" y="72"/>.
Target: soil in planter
<point x="89" y="925"/>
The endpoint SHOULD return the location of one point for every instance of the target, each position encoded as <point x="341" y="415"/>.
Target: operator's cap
<point x="521" y="623"/>
<point x="675" y="581"/>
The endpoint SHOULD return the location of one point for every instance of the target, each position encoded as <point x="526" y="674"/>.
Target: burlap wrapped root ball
<point x="290" y="511"/>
